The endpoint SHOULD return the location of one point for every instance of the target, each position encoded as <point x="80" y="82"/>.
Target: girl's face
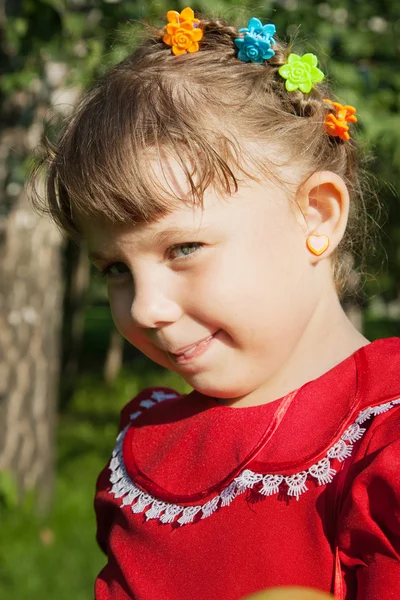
<point x="222" y="295"/>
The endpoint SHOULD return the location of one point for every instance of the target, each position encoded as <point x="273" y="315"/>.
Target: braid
<point x="218" y="33"/>
<point x="219" y="38"/>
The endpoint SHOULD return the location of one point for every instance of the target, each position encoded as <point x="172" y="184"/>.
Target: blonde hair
<point x="199" y="108"/>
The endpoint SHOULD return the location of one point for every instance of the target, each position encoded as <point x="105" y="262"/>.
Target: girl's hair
<point x="210" y="112"/>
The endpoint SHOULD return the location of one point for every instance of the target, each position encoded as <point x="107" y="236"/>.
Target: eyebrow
<point x="161" y="237"/>
<point x="97" y="256"/>
<point x="155" y="239"/>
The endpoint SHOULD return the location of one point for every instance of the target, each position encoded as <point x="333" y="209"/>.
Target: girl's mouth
<point x="193" y="352"/>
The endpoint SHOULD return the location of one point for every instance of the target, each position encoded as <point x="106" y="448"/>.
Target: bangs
<point x="113" y="160"/>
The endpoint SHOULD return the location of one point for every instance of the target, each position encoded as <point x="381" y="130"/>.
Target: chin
<point x="217" y="390"/>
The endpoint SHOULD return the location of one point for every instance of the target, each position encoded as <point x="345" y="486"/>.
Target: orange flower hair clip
<point x="336" y="124"/>
<point x="182" y="31"/>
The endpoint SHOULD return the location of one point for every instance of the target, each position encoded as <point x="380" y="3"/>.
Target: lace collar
<point x="124" y="488"/>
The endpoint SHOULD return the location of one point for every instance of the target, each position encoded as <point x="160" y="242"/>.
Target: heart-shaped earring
<point x="317" y="244"/>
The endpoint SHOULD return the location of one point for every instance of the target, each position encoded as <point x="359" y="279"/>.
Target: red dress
<point x="207" y="501"/>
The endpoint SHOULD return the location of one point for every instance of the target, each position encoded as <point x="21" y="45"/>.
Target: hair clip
<point x="336" y="124"/>
<point x="182" y="31"/>
<point x="301" y="72"/>
<point x="256" y="44"/>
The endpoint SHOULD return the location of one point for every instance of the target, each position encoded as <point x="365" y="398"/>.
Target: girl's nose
<point x="153" y="306"/>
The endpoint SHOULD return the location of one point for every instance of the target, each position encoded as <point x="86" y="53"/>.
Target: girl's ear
<point x="323" y="200"/>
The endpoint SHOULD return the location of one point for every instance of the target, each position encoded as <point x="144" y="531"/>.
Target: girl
<point x="215" y="184"/>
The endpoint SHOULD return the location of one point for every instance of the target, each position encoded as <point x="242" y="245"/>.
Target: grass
<point x="57" y="557"/>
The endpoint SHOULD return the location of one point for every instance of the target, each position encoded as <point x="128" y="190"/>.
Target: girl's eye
<point x="184" y="251"/>
<point x="119" y="270"/>
<point x="114" y="270"/>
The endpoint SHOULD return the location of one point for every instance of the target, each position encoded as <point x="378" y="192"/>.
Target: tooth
<point x="191" y="350"/>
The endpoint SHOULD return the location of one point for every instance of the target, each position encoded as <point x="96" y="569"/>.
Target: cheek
<point x="284" y="252"/>
<point x="273" y="256"/>
<point x="266" y="274"/>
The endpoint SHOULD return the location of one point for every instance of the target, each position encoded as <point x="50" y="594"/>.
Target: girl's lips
<point x="193" y="351"/>
<point x="186" y="349"/>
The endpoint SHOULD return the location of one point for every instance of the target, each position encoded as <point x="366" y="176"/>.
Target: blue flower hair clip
<point x="256" y="45"/>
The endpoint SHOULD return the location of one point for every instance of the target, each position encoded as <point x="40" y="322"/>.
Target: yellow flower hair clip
<point x="183" y="31"/>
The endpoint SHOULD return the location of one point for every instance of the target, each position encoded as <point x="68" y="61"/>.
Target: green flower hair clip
<point x="301" y="72"/>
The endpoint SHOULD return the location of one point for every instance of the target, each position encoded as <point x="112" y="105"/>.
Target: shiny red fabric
<point x="342" y="536"/>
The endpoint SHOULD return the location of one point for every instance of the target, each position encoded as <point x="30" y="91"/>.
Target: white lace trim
<point x="267" y="485"/>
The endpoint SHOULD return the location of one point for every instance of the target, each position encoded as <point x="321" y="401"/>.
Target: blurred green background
<point x="49" y="51"/>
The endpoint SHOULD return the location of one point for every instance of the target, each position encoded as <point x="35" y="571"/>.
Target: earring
<point x="317" y="244"/>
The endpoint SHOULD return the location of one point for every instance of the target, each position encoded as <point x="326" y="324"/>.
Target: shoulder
<point x="378" y="366"/>
<point x="385" y="428"/>
<point x="378" y="422"/>
<point x="147" y="398"/>
<point x="372" y="489"/>
<point x="369" y="523"/>
<point x="368" y="532"/>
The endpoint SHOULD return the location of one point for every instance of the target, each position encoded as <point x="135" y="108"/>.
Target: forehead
<point x="105" y="237"/>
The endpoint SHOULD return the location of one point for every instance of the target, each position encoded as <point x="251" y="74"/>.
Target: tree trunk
<point x="30" y="316"/>
<point x="30" y="275"/>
